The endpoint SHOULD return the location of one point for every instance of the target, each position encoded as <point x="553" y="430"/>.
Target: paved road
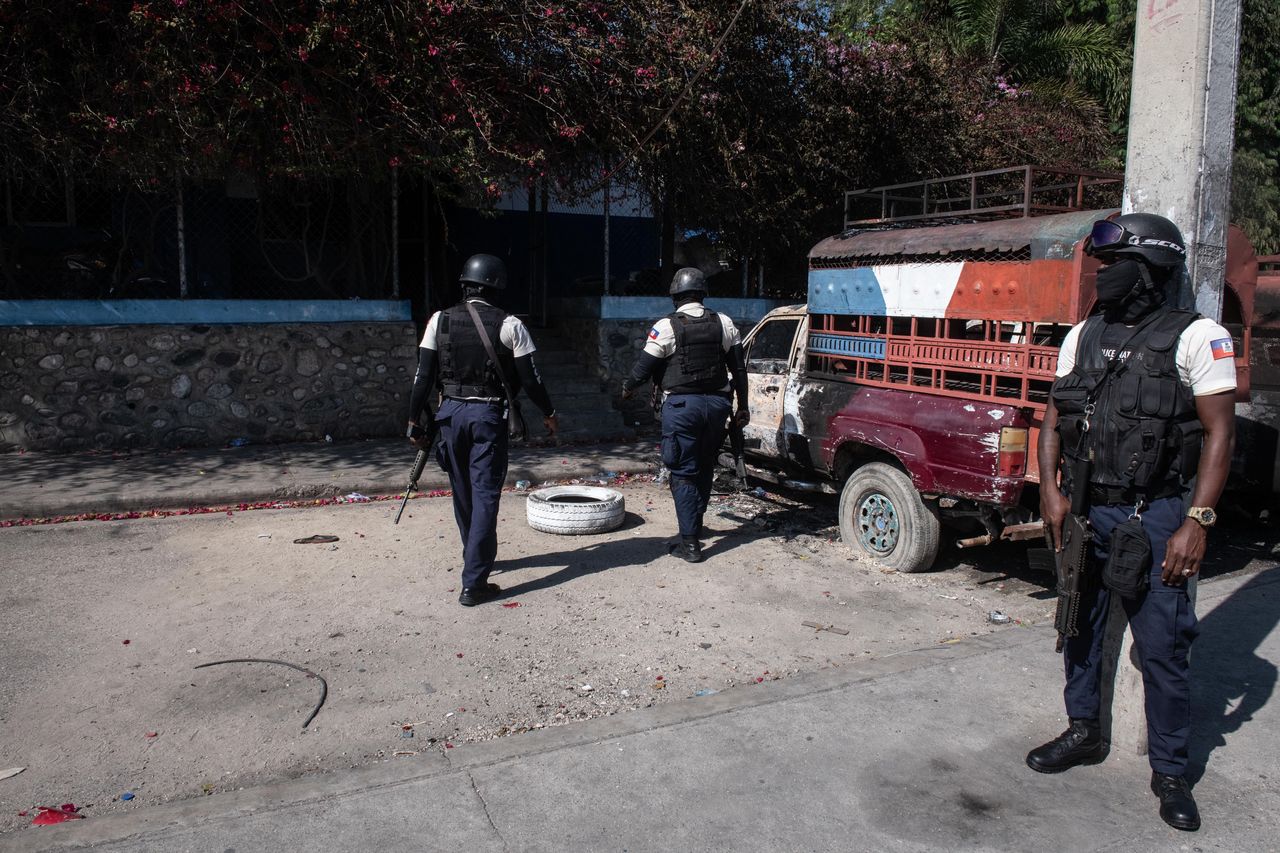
<point x="918" y="751"/>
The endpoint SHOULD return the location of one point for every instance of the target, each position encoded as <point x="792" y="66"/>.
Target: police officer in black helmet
<point x="1144" y="401"/>
<point x="472" y="419"/>
<point x="698" y="354"/>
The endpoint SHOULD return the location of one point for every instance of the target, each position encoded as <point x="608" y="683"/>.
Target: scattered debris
<point x="586" y="688"/>
<point x="706" y="691"/>
<point x="404" y="752"/>
<point x="997" y="617"/>
<point x="11" y="772"/>
<point x="318" y="539"/>
<point x="50" y="815"/>
<point x="704" y="645"/>
<point x="818" y="626"/>
<point x="523" y="485"/>
<point x="510" y="604"/>
<point x="324" y="685"/>
<point x="237" y="442"/>
<point x="127" y="796"/>
<point x="264" y="535"/>
<point x="355" y="498"/>
<point x="124" y="642"/>
<point x="150" y="735"/>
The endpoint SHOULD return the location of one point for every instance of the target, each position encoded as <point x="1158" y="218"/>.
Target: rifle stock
<point x="415" y="474"/>
<point x="1073" y="573"/>
<point x="1073" y="559"/>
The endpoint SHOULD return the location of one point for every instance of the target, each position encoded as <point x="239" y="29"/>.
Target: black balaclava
<point x="687" y="297"/>
<point x="1127" y="292"/>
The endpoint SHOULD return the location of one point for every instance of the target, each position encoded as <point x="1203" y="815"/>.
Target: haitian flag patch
<point x="653" y="334"/>
<point x="1223" y="348"/>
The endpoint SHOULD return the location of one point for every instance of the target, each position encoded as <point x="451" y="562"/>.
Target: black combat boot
<point x="1177" y="806"/>
<point x="689" y="549"/>
<point x="1080" y="744"/>
<point x="479" y="595"/>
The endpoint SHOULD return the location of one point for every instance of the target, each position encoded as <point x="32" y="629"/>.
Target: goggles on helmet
<point x="1108" y="237"/>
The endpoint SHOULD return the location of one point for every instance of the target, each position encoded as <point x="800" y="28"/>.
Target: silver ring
<point x="1186" y="571"/>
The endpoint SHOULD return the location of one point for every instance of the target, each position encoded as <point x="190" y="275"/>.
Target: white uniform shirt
<point x="1205" y="357"/>
<point x="662" y="337"/>
<point x="513" y="334"/>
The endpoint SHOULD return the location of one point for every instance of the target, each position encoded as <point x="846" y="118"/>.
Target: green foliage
<point x="1255" y="194"/>
<point x="476" y="95"/>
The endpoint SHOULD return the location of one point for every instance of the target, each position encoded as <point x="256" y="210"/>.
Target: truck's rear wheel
<point x="883" y="517"/>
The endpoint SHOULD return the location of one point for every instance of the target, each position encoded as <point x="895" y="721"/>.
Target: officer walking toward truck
<point x="479" y="357"/>
<point x="1142" y="418"/>
<point x="698" y="354"/>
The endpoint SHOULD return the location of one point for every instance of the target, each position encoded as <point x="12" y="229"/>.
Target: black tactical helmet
<point x="484" y="270"/>
<point x="688" y="280"/>
<point x="1145" y="236"/>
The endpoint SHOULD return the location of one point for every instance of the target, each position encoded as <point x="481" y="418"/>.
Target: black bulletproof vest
<point x="697" y="366"/>
<point x="465" y="369"/>
<point x="1144" y="430"/>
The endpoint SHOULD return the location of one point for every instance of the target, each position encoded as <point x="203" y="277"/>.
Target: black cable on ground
<point x="324" y="685"/>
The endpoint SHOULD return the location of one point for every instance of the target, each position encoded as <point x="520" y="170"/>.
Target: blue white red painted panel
<point x="893" y="290"/>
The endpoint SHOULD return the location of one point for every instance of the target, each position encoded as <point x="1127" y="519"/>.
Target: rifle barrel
<point x="415" y="474"/>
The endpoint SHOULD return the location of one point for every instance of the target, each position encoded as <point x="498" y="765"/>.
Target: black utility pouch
<point x="1127" y="571"/>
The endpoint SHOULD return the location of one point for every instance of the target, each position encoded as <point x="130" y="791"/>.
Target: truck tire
<point x="575" y="510"/>
<point x="883" y="518"/>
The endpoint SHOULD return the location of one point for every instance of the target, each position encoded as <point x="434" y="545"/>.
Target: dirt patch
<point x="587" y="626"/>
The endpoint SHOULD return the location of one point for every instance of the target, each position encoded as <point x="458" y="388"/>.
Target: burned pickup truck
<point x="915" y="379"/>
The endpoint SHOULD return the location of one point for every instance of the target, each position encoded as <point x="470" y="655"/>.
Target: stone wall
<point x="612" y="345"/>
<point x="82" y="387"/>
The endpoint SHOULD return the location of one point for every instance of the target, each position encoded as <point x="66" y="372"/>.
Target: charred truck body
<point x="915" y="379"/>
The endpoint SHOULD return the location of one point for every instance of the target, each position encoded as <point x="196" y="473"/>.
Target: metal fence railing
<point x="63" y="238"/>
<point x="377" y="237"/>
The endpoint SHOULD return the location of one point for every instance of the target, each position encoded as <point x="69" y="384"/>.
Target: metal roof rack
<point x="1015" y="192"/>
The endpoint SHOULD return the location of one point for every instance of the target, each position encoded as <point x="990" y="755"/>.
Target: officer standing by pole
<point x="473" y="419"/>
<point x="696" y="351"/>
<point x="1144" y="405"/>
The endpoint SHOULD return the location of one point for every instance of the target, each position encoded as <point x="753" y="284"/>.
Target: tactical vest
<point x="697" y="366"/>
<point x="1144" y="431"/>
<point x="465" y="369"/>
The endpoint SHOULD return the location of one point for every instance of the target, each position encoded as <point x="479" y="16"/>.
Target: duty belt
<point x="1126" y="496"/>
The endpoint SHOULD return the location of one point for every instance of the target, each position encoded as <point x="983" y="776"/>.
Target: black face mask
<point x="1126" y="292"/>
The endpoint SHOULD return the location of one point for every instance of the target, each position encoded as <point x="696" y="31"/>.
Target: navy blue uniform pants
<point x="473" y="452"/>
<point x="1164" y="626"/>
<point x="693" y="429"/>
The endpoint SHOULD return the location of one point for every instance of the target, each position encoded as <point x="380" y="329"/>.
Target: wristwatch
<point x="1205" y="516"/>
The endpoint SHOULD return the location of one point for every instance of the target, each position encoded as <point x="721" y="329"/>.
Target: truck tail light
<point x="1013" y="451"/>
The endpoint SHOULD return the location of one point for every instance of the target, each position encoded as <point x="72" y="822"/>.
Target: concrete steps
<point x="585" y="408"/>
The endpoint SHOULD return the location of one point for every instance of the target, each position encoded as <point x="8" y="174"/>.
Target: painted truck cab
<point x="915" y="378"/>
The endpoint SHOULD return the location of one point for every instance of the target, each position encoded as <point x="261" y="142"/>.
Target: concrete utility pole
<point x="1181" y="136"/>
<point x="1182" y="129"/>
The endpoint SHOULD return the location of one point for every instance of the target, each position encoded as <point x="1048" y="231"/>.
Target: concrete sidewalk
<point x="49" y="484"/>
<point x="922" y="750"/>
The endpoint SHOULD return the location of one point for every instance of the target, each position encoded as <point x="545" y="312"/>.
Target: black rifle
<point x="419" y="463"/>
<point x="1073" y="559"/>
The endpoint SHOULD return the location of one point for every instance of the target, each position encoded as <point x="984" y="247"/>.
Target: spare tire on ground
<point x="575" y="510"/>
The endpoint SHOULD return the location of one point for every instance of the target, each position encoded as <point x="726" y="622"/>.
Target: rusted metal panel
<point x="947" y="446"/>
<point x="1047" y="237"/>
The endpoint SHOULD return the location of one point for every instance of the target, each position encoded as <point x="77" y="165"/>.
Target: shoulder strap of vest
<point x="1089" y="344"/>
<point x="1167" y="330"/>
